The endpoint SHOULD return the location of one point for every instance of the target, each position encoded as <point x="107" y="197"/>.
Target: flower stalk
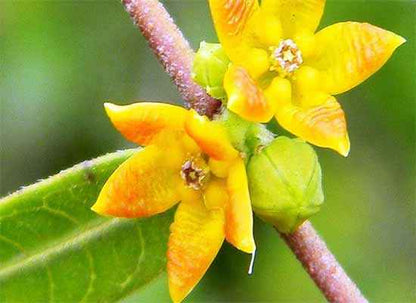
<point x="172" y="50"/>
<point x="322" y="266"/>
<point x="176" y="56"/>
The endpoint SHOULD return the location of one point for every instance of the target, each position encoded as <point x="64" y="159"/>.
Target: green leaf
<point x="53" y="248"/>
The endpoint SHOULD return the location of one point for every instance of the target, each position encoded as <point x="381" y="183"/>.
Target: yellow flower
<point x="281" y="68"/>
<point x="187" y="158"/>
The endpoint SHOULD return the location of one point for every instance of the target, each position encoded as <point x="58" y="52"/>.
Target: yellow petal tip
<point x="345" y="153"/>
<point x="110" y="108"/>
<point x="176" y="295"/>
<point x="248" y="246"/>
<point x="98" y="208"/>
<point x="400" y="40"/>
<point x="396" y="41"/>
<point x="343" y="147"/>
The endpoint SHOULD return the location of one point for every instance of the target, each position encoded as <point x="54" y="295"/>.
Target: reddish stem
<point x="322" y="266"/>
<point x="175" y="54"/>
<point x="172" y="50"/>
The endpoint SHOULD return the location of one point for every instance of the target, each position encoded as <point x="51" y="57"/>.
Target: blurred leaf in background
<point x="61" y="60"/>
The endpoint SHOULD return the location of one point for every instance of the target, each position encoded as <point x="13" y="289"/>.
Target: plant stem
<point x="322" y="266"/>
<point x="172" y="50"/>
<point x="176" y="56"/>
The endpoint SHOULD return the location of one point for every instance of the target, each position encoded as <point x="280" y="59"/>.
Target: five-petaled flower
<point x="281" y="68"/>
<point x="187" y="158"/>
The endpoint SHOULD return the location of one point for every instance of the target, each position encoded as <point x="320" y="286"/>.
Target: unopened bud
<point x="209" y="67"/>
<point x="285" y="183"/>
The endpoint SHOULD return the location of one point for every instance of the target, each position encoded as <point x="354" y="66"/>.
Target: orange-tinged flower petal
<point x="189" y="194"/>
<point x="245" y="97"/>
<point x="144" y="185"/>
<point x="210" y="137"/>
<point x="219" y="168"/>
<point x="350" y="52"/>
<point x="239" y="216"/>
<point x="196" y="237"/>
<point x="231" y="19"/>
<point x="141" y="122"/>
<point x="323" y="125"/>
<point x="296" y="16"/>
<point x="215" y="194"/>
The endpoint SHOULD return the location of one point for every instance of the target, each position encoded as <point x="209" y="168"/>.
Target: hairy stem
<point x="176" y="56"/>
<point x="172" y="50"/>
<point x="322" y="266"/>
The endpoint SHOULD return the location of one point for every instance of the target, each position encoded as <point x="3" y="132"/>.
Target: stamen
<point x="286" y="58"/>
<point x="193" y="175"/>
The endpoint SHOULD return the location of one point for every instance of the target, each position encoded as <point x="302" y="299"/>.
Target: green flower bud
<point x="210" y="65"/>
<point x="247" y="137"/>
<point x="285" y="183"/>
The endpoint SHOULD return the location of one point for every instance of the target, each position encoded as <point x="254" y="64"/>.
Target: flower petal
<point x="210" y="137"/>
<point x="196" y="237"/>
<point x="296" y="16"/>
<point x="350" y="52"/>
<point x="239" y="216"/>
<point x="323" y="125"/>
<point x="220" y="169"/>
<point x="231" y="19"/>
<point x="215" y="194"/>
<point x="141" y="122"/>
<point x="144" y="185"/>
<point x="245" y="98"/>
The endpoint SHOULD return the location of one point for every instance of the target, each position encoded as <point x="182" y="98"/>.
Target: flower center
<point x="194" y="174"/>
<point x="286" y="58"/>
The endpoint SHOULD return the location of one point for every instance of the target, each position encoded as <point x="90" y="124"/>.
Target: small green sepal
<point x="247" y="137"/>
<point x="285" y="183"/>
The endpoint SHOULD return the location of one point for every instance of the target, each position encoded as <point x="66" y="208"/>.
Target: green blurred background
<point x="60" y="60"/>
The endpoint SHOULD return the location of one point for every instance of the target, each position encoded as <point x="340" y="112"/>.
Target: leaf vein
<point x="66" y="245"/>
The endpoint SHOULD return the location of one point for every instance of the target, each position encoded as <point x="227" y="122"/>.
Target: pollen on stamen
<point x="193" y="175"/>
<point x="286" y="58"/>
